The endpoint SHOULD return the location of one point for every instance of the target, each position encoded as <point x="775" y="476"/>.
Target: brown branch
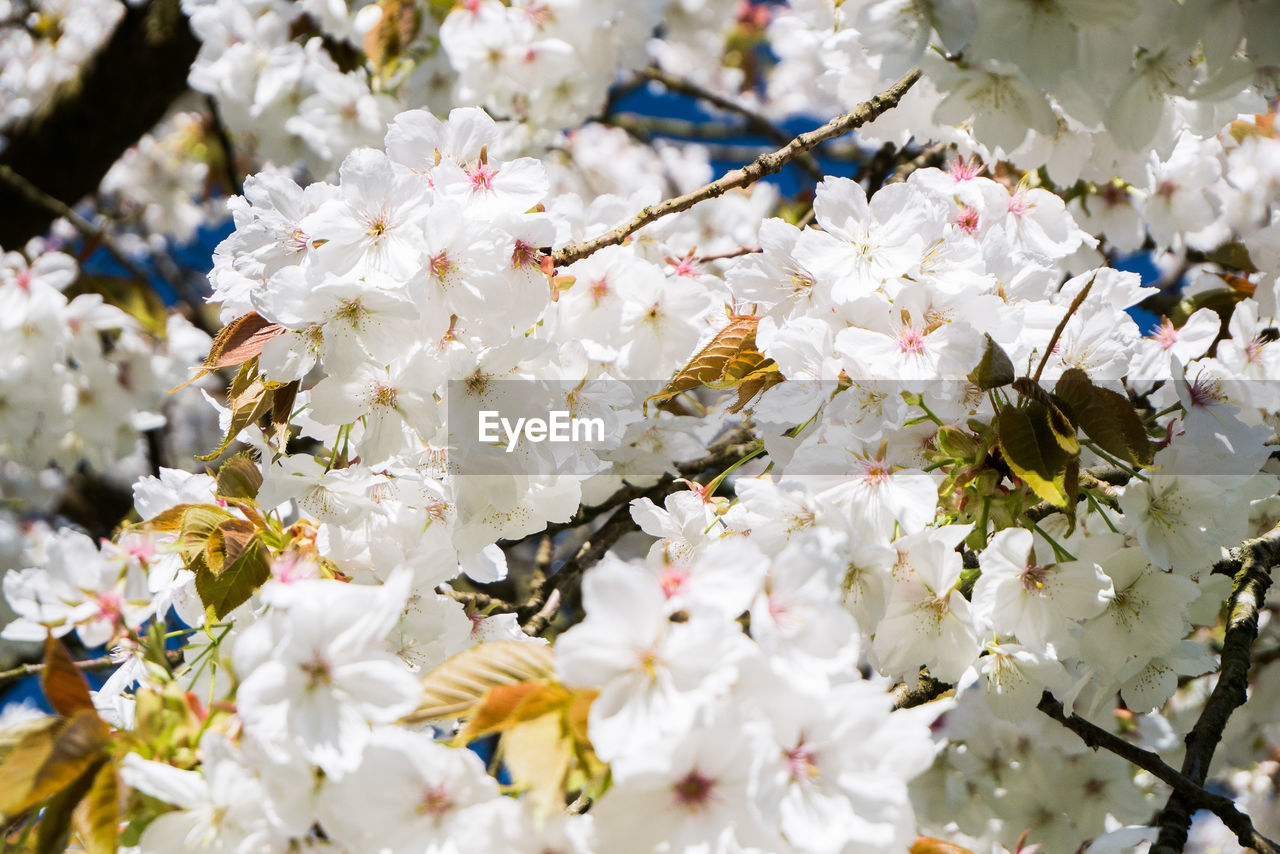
<point x="765" y="164"/>
<point x="540" y="607"/>
<point x="91" y="665"/>
<point x="92" y="234"/>
<point x="1224" y="808"/>
<point x="755" y="121"/>
<point x="1253" y="578"/>
<point x="67" y="145"/>
<point x="926" y="690"/>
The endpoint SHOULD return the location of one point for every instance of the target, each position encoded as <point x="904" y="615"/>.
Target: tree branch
<point x="1252" y="579"/>
<point x="765" y="164"/>
<point x="539" y="610"/>
<point x="105" y="662"/>
<point x="1096" y="737"/>
<point x="755" y="121"/>
<point x="67" y="145"/>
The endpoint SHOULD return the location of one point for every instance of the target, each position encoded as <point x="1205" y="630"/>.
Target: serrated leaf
<point x="97" y="817"/>
<point x="725" y="362"/>
<point x="1025" y="453"/>
<point x="63" y="684"/>
<point x="241" y="340"/>
<point x="227" y="543"/>
<point x="238" y="477"/>
<point x="249" y="399"/>
<point x="49" y="759"/>
<point x="223" y="591"/>
<point x="995" y="368"/>
<point x="456" y="687"/>
<point x="1106" y="417"/>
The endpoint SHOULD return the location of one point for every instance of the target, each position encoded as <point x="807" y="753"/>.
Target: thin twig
<point x="755" y="121"/>
<point x="732" y="253"/>
<point x="539" y="606"/>
<point x="1096" y="737"/>
<point x="91" y="665"/>
<point x="1062" y="325"/>
<point x="765" y="164"/>
<point x="87" y="229"/>
<point x="1252" y="580"/>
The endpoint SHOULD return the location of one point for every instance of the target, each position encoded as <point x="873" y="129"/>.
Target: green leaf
<point x="1031" y="453"/>
<point x="249" y="399"/>
<point x="995" y="369"/>
<point x="97" y="815"/>
<point x="1106" y="417"/>
<point x="224" y="591"/>
<point x="239" y="477"/>
<point x="54" y="830"/>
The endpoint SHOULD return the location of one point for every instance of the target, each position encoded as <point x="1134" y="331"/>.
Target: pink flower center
<point x="481" y="176"/>
<point x="524" y="255"/>
<point x="910" y="341"/>
<point x="1033" y="578"/>
<point x="967" y="219"/>
<point x="966" y="169"/>
<point x="1168" y="335"/>
<point x="599" y="289"/>
<point x="1018" y="205"/>
<point x="673" y="580"/>
<point x="875" y="472"/>
<point x="685" y="267"/>
<point x="802" y="763"/>
<point x="110" y="606"/>
<point x="440" y="265"/>
<point x="694" y="791"/>
<point x="435" y="801"/>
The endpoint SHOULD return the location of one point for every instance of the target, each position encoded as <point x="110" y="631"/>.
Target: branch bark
<point x="765" y="164"/>
<point x="67" y="145"/>
<point x="1096" y="737"/>
<point x="1253" y="578"/>
<point x="755" y="122"/>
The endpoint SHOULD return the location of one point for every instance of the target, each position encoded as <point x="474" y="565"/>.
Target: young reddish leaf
<point x="249" y="399"/>
<point x="97" y="816"/>
<point x="241" y="340"/>
<point x="63" y="684"/>
<point x="725" y="362"/>
<point x="458" y="685"/>
<point x="281" y="411"/>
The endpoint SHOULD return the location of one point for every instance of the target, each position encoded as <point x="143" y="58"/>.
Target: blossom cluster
<point x="954" y="459"/>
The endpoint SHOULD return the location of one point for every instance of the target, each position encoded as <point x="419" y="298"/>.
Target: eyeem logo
<point x="558" y="426"/>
